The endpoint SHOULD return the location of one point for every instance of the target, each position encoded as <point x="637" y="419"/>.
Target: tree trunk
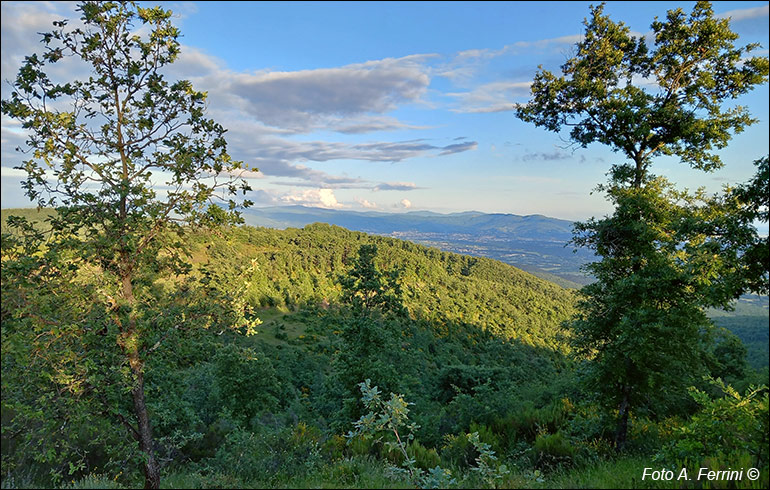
<point x="639" y="173"/>
<point x="151" y="469"/>
<point x="129" y="342"/>
<point x="622" y="429"/>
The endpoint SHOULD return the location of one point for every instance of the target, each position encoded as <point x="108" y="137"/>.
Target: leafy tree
<point x="648" y="101"/>
<point x="99" y="149"/>
<point x="369" y="338"/>
<point x="641" y="321"/>
<point x="755" y="197"/>
<point x="665" y="254"/>
<point x="365" y="287"/>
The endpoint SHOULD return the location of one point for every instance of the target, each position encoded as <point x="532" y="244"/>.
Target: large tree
<point x="755" y="198"/>
<point x="665" y="255"/>
<point x="128" y="159"/>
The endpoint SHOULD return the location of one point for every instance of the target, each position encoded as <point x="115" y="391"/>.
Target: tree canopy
<point x="127" y="158"/>
<point x="666" y="254"/>
<point x="646" y="99"/>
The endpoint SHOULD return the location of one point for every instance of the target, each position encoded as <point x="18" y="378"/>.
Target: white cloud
<point x="547" y="43"/>
<point x="305" y="100"/>
<point x="491" y="97"/>
<point x="743" y="14"/>
<point x="405" y="203"/>
<point x="312" y="197"/>
<point x="464" y="66"/>
<point x="12" y="172"/>
<point x="365" y="204"/>
<point x="395" y="186"/>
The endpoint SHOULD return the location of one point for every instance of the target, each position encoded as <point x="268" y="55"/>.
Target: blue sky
<point x="397" y="106"/>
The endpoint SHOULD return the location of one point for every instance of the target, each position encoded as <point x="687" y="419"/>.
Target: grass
<point x="621" y="473"/>
<point x="364" y="472"/>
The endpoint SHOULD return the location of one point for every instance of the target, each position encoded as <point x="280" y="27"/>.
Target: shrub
<point x="95" y="481"/>
<point x="458" y="451"/>
<point x="270" y="456"/>
<point x="424" y="458"/>
<point x="553" y="450"/>
<point x="490" y="472"/>
<point x="728" y="432"/>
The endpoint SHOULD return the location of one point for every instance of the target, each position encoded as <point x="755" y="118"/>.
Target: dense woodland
<point x="149" y="338"/>
<point x="473" y="345"/>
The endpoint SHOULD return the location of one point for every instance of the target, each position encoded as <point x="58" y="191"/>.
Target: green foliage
<point x="553" y="450"/>
<point x="438" y="477"/>
<point x="269" y="456"/>
<point x="365" y="287"/>
<point x="458" y="451"/>
<point x="94" y="482"/>
<point x="603" y="94"/>
<point x="386" y="417"/>
<point x="424" y="458"/>
<point x="105" y="139"/>
<point x="730" y="431"/>
<point x="246" y="381"/>
<point x="666" y="255"/>
<point x="461" y="378"/>
<point x="639" y="322"/>
<point x="753" y="333"/>
<point x="727" y="357"/>
<point x="389" y="416"/>
<point x="489" y="471"/>
<point x="755" y="197"/>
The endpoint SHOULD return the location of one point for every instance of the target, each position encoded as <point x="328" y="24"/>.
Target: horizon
<point x="762" y="228"/>
<point x="397" y="107"/>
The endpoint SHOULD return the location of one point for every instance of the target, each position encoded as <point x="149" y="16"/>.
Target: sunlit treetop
<point x="648" y="98"/>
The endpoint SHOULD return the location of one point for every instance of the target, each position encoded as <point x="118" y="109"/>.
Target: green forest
<point x="149" y="338"/>
<point x="472" y="345"/>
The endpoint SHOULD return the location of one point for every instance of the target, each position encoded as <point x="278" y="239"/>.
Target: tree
<point x="642" y="321"/>
<point x="648" y="102"/>
<point x="100" y="148"/>
<point x="755" y="199"/>
<point x="365" y="287"/>
<point x="369" y="338"/>
<point x="665" y="254"/>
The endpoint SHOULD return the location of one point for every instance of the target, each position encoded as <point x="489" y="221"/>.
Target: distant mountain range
<point x="532" y="227"/>
<point x="535" y="243"/>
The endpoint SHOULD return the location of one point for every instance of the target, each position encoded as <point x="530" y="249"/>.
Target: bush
<point x="553" y="450"/>
<point x="728" y="432"/>
<point x="424" y="458"/>
<point x="94" y="482"/>
<point x="268" y="457"/>
<point x="458" y="451"/>
<point x="247" y="381"/>
<point x="334" y="448"/>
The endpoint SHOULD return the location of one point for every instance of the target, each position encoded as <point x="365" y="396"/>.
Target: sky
<point x="397" y="106"/>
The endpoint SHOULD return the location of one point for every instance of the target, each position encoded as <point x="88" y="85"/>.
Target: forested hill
<point x="534" y="243"/>
<point x="299" y="267"/>
<point x="475" y="346"/>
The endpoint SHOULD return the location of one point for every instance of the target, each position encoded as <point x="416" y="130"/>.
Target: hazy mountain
<point x="533" y="227"/>
<point x="535" y="243"/>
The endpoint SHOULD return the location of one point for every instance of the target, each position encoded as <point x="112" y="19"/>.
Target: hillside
<point x="299" y="268"/>
<point x="473" y="345"/>
<point x="478" y="341"/>
<point x="534" y="243"/>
